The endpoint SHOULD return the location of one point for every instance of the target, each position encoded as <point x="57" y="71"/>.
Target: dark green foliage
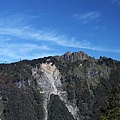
<point x="89" y="97"/>
<point x="106" y="83"/>
<point x="111" y="111"/>
<point x="118" y="65"/>
<point x="107" y="61"/>
<point x="115" y="77"/>
<point x="57" y="109"/>
<point x="23" y="105"/>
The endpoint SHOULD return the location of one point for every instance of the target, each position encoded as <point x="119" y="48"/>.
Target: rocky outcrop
<point x="50" y="82"/>
<point x="73" y="56"/>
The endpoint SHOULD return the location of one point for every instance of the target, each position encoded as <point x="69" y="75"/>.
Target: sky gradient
<point x="31" y="29"/>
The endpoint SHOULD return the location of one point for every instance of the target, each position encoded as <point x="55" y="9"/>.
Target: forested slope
<point x="88" y="83"/>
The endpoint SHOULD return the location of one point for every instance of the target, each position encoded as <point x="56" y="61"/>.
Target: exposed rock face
<point x="50" y="83"/>
<point x="73" y="56"/>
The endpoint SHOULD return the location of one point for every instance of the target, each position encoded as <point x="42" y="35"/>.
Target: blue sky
<point x="32" y="29"/>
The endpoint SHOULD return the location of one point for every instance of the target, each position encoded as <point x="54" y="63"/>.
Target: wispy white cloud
<point x="87" y="17"/>
<point x="14" y="51"/>
<point x="98" y="28"/>
<point x="19" y="39"/>
<point x="27" y="32"/>
<point x="116" y="1"/>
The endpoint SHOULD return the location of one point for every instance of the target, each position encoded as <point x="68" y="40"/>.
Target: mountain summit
<point x="73" y="56"/>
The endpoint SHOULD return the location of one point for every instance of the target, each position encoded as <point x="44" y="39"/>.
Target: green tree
<point x="111" y="111"/>
<point x="57" y="109"/>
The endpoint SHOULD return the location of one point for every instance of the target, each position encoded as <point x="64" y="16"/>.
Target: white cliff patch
<point x="49" y="70"/>
<point x="50" y="82"/>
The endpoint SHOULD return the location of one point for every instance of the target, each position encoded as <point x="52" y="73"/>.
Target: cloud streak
<point x="27" y="32"/>
<point x="43" y="36"/>
<point x="116" y="1"/>
<point x="87" y="17"/>
<point x="15" y="51"/>
<point x="19" y="39"/>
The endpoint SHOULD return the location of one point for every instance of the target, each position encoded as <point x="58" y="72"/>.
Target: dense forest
<point x="93" y="85"/>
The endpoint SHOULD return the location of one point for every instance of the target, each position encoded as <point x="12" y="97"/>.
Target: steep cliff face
<point x="50" y="82"/>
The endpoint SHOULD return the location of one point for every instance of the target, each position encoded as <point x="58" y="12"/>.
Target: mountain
<point x="73" y="86"/>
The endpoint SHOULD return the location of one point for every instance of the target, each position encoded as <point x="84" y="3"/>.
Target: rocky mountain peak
<point x="73" y="56"/>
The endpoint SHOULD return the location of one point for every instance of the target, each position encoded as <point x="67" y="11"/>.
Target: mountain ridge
<point x="81" y="83"/>
<point x="80" y="55"/>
